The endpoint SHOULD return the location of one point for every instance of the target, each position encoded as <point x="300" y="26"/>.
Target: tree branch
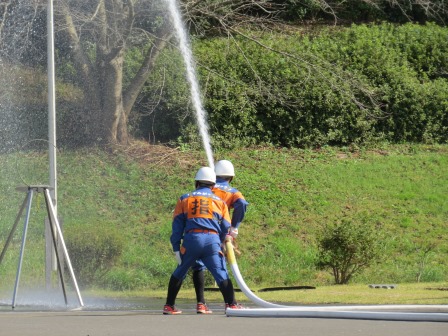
<point x="137" y="83"/>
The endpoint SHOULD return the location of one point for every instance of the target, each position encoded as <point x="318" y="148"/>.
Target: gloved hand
<point x="233" y="232"/>
<point x="223" y="250"/>
<point x="178" y="258"/>
<point x="230" y="239"/>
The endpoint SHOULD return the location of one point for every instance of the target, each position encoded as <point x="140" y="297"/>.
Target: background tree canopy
<point x="288" y="73"/>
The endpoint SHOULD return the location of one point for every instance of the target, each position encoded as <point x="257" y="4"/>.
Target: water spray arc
<point x="368" y="312"/>
<point x="185" y="49"/>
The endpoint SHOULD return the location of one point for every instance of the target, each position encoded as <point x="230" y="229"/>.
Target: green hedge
<point x="407" y="65"/>
<point x="319" y="95"/>
<point x="341" y="86"/>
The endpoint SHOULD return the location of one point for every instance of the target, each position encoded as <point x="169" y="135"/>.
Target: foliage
<point x="93" y="250"/>
<point x="164" y="105"/>
<point x="407" y="69"/>
<point x="360" y="85"/>
<point x="331" y="101"/>
<point x="349" y="246"/>
<point x="300" y="87"/>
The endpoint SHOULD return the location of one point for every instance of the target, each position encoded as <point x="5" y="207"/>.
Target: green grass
<point x="293" y="194"/>
<point x="421" y="293"/>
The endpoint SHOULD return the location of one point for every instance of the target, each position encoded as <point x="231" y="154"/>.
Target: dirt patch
<point x="159" y="155"/>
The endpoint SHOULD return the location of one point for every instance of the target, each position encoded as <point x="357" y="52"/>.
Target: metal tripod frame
<point x="56" y="233"/>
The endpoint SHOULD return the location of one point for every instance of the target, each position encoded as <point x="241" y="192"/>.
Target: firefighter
<point x="235" y="201"/>
<point x="200" y="226"/>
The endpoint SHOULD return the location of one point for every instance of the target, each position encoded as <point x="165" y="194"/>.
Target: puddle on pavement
<point x="42" y="301"/>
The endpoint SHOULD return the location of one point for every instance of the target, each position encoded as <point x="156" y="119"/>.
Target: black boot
<point x="199" y="284"/>
<point x="226" y="288"/>
<point x="173" y="289"/>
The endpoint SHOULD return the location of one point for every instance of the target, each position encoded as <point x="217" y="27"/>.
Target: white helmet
<point x="224" y="168"/>
<point x="205" y="174"/>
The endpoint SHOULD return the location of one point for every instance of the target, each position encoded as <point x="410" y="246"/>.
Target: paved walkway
<point x="153" y="323"/>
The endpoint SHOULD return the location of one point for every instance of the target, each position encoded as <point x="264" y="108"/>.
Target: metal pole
<point x="53" y="234"/>
<point x="51" y="114"/>
<point x="51" y="102"/>
<point x="8" y="241"/>
<point x="25" y="229"/>
<point x="64" y="248"/>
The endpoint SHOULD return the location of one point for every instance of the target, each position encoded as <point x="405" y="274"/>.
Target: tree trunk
<point x="113" y="115"/>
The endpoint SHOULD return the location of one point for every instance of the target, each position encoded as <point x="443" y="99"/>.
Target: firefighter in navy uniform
<point x="235" y="201"/>
<point x="200" y="226"/>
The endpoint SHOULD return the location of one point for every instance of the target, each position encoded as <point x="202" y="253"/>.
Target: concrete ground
<point x="35" y="316"/>
<point x="152" y="322"/>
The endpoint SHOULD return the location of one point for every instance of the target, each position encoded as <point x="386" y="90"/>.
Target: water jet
<point x="185" y="49"/>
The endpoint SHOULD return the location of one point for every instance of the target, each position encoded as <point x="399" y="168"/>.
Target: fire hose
<point x="367" y="312"/>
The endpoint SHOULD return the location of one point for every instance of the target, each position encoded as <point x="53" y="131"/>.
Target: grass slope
<point x="293" y="194"/>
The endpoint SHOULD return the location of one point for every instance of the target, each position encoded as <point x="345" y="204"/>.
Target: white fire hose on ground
<point x="368" y="312"/>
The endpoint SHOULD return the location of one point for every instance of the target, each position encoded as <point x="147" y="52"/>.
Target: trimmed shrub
<point x="348" y="247"/>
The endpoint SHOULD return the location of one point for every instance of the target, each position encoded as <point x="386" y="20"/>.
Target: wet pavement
<point x="56" y="304"/>
<point x="142" y="316"/>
